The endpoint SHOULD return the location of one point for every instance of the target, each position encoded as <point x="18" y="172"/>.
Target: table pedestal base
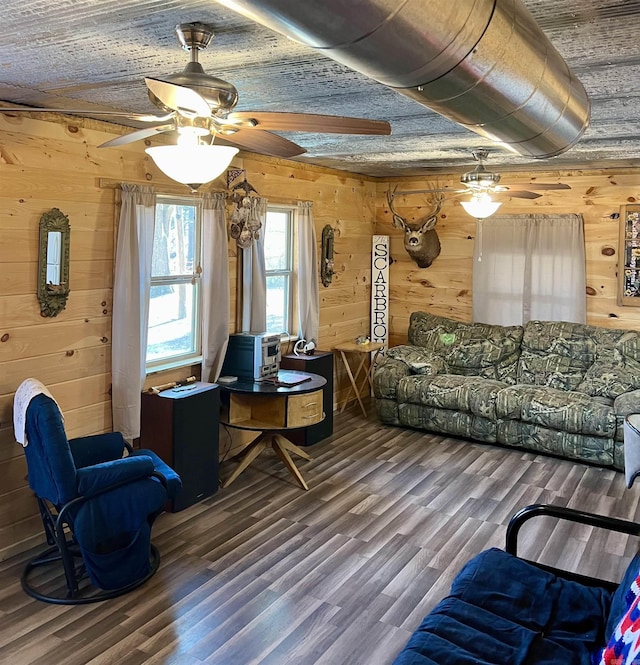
<point x="281" y="445"/>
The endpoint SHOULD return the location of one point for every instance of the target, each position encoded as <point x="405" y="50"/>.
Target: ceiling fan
<point x="194" y="102"/>
<point x="481" y="182"/>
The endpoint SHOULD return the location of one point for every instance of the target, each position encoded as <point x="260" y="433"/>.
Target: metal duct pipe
<point x="482" y="63"/>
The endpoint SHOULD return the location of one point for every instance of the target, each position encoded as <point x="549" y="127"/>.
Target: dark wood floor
<point x="265" y="573"/>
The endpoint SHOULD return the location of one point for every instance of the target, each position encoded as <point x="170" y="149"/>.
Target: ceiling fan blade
<point x="140" y="117"/>
<point x="542" y="186"/>
<point x="520" y="194"/>
<point x="431" y="191"/>
<point x="264" y="143"/>
<point x="546" y="186"/>
<point x="310" y="122"/>
<point x="137" y="136"/>
<point x="179" y="98"/>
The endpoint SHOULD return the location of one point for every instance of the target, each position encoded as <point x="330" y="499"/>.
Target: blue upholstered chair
<point x="97" y="509"/>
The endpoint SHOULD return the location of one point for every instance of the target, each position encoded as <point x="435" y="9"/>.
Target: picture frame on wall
<point x="629" y="256"/>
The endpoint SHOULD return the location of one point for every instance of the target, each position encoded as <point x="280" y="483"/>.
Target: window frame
<point x="194" y="279"/>
<point x="292" y="272"/>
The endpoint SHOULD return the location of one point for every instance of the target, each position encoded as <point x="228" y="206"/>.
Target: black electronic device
<point x="252" y="355"/>
<point x="181" y="426"/>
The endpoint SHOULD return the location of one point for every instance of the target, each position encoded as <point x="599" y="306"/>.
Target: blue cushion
<point x="96" y="448"/>
<point x="95" y="478"/>
<point x="173" y="480"/>
<point x="505" y="611"/>
<point x="52" y="473"/>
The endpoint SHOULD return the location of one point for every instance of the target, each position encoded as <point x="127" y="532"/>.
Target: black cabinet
<point x="321" y="362"/>
<point x="181" y="426"/>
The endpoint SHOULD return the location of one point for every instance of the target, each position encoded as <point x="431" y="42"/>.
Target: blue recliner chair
<point x="97" y="509"/>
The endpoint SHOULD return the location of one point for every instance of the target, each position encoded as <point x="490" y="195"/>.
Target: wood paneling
<point x="48" y="161"/>
<point x="447" y="285"/>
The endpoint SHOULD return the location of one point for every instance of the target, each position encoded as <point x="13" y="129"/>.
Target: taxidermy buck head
<point x="420" y="238"/>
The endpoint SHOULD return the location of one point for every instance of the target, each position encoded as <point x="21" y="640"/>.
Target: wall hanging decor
<point x="629" y="256"/>
<point x="53" y="262"/>
<point x="244" y="222"/>
<point x="326" y="258"/>
<point x="380" y="262"/>
<point x="420" y="238"/>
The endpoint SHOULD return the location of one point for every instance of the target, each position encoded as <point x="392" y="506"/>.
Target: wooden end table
<point x="269" y="410"/>
<point x="364" y="351"/>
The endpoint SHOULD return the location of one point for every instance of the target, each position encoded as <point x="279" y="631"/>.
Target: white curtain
<point x="131" y="291"/>
<point x="215" y="286"/>
<point x="529" y="267"/>
<point x="254" y="281"/>
<point x="308" y="296"/>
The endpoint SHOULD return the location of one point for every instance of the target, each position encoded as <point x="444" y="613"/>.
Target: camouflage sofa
<point x="549" y="387"/>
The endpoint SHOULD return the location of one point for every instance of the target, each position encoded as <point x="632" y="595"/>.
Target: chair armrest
<point x="97" y="448"/>
<point x="167" y="476"/>
<point x="99" y="477"/>
<point x="570" y="514"/>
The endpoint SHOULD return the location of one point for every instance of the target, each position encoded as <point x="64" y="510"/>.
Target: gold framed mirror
<point x="53" y="262"/>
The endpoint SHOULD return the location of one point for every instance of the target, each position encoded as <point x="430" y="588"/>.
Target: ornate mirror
<point x="53" y="262"/>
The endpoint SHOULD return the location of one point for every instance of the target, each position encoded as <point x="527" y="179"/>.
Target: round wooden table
<point x="270" y="408"/>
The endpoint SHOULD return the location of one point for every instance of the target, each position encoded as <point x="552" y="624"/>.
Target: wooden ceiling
<point x="94" y="54"/>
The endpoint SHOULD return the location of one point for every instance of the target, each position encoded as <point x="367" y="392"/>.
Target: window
<point x="279" y="268"/>
<point x="529" y="267"/>
<point x="174" y="307"/>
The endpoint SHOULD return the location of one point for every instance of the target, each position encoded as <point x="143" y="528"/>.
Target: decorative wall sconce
<point x="326" y="259"/>
<point x="53" y="262"/>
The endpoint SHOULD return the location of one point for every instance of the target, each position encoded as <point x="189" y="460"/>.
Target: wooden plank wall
<point x="50" y="161"/>
<point x="445" y="287"/>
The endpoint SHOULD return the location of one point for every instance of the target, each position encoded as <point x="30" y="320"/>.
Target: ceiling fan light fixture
<point x="480" y="206"/>
<point x="192" y="164"/>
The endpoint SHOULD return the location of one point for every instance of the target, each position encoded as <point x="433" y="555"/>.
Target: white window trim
<point x="184" y="360"/>
<point x="292" y="212"/>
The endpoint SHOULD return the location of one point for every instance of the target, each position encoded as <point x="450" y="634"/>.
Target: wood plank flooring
<point x="264" y="573"/>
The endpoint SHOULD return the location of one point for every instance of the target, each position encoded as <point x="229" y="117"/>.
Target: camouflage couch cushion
<point x="465" y="394"/>
<point x="560" y="410"/>
<point x="611" y="377"/>
<point x="470" y="349"/>
<point x="555" y="354"/>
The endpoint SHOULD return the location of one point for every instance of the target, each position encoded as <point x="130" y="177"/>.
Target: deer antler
<point x="432" y="215"/>
<point x="398" y="221"/>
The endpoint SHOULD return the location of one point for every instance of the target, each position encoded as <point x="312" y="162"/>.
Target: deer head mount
<point x="420" y="238"/>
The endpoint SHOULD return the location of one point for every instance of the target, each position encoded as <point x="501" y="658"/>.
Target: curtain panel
<point x="131" y="291"/>
<point x="529" y="267"/>
<point x="215" y="285"/>
<point x="254" y="279"/>
<point x="308" y="293"/>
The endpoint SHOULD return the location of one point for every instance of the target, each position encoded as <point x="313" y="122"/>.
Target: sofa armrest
<point x="401" y="361"/>
<point x="386" y="376"/>
<point x="627" y="403"/>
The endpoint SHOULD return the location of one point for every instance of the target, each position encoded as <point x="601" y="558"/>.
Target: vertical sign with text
<point x="380" y="289"/>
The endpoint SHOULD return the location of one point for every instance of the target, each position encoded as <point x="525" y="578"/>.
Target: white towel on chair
<point x="27" y="390"/>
